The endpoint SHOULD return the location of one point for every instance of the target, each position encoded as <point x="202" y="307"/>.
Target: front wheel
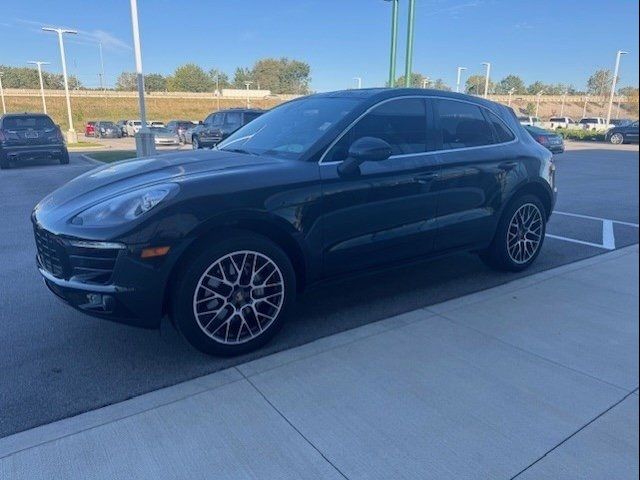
<point x="195" y="144"/>
<point x="617" y="139"/>
<point x="232" y="297"/>
<point x="519" y="236"/>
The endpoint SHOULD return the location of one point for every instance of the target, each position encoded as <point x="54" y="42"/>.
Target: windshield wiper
<point x="238" y="150"/>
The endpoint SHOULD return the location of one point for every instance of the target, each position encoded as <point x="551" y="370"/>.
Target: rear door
<point x="387" y="210"/>
<point x="631" y="132"/>
<point x="476" y="153"/>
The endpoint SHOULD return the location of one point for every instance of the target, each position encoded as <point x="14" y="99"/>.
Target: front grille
<point x="50" y="253"/>
<point x="84" y="264"/>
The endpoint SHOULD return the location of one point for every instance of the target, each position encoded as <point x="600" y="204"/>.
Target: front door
<point x="387" y="210"/>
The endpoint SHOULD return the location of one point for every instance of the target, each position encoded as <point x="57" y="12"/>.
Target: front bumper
<point x="130" y="292"/>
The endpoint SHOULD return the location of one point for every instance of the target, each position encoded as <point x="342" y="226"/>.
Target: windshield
<point x="289" y="130"/>
<point x="160" y="129"/>
<point x="17" y="123"/>
<point x="107" y="124"/>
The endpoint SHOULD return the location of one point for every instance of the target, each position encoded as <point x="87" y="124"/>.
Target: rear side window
<point x="463" y="125"/>
<point x="503" y="134"/>
<point x="250" y="116"/>
<point x="401" y="123"/>
<point x="17" y="123"/>
<point x="233" y="119"/>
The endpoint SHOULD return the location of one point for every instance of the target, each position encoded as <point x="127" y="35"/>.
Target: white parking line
<point x="608" y="236"/>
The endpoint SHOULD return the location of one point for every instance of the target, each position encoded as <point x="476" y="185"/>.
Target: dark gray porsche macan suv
<point x="222" y="240"/>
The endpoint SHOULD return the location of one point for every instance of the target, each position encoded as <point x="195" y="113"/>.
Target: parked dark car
<point x="551" y="141"/>
<point x="122" y="125"/>
<point x="219" y="125"/>
<point x="106" y="129"/>
<point x="30" y="135"/>
<point x="179" y="128"/>
<point x="623" y="134"/>
<point x="89" y="129"/>
<point x="620" y="122"/>
<point x="222" y="240"/>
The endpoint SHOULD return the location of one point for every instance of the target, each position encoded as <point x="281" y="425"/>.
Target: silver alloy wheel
<point x="524" y="233"/>
<point x="238" y="297"/>
<point x="617" y="138"/>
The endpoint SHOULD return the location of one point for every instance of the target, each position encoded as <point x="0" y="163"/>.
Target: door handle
<point x="506" y="166"/>
<point x="427" y="177"/>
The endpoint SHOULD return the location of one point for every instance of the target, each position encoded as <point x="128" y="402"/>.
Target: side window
<point x="502" y="132"/>
<point x="217" y="120"/>
<point x="233" y="119"/>
<point x="209" y="119"/>
<point x="401" y="123"/>
<point x="463" y="125"/>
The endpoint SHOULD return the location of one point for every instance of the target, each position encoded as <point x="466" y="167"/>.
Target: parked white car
<point x="132" y="127"/>
<point x="561" y="122"/>
<point x="530" y="121"/>
<point x="156" y="124"/>
<point x="598" y="124"/>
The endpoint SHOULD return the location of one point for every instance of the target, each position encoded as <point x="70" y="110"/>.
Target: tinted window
<point x="217" y="119"/>
<point x="290" y="129"/>
<point x="463" y="125"/>
<point x="233" y="119"/>
<point x="503" y="134"/>
<point x="251" y="116"/>
<point x="401" y="123"/>
<point x="16" y="123"/>
<point x="556" y="119"/>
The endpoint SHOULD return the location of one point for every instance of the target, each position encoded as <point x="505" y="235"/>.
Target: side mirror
<point x="365" y="149"/>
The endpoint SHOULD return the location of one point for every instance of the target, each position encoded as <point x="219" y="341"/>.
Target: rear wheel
<point x="64" y="158"/>
<point x="617" y="138"/>
<point x="519" y="236"/>
<point x="195" y="143"/>
<point x="232" y="297"/>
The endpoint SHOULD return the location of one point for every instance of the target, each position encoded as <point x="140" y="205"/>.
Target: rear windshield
<point x="589" y="120"/>
<point x="536" y="130"/>
<point x="17" y="123"/>
<point x="557" y="119"/>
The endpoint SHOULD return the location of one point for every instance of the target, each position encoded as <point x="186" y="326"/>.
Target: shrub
<point x="570" y="134"/>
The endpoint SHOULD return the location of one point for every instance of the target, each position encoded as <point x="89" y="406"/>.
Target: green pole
<point x="394" y="42"/>
<point x="409" y="57"/>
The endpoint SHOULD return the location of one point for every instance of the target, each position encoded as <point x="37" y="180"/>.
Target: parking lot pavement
<point x="483" y="386"/>
<point x="56" y="362"/>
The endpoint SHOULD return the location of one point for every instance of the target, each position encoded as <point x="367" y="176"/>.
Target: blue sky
<point x="552" y="41"/>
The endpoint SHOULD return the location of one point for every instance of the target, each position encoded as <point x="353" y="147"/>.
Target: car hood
<point x="112" y="179"/>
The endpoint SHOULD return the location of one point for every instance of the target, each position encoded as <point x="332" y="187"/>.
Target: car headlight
<point x="124" y="208"/>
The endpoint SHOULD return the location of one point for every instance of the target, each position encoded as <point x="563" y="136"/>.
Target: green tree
<point x="219" y="78"/>
<point x="155" y="82"/>
<point x="127" y="82"/>
<point x="189" y="78"/>
<point x="27" y="77"/>
<point x="511" y="82"/>
<point x="240" y="76"/>
<point x="417" y="80"/>
<point x="600" y="82"/>
<point x="536" y="87"/>
<point x="475" y="85"/>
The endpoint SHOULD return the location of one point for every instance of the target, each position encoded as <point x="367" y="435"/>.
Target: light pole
<point x="409" y="56"/>
<point x="72" y="137"/>
<point x="358" y="82"/>
<point x="218" y="90"/>
<point x="584" y="109"/>
<point x="4" y="107"/>
<point x="613" y="82"/>
<point x="39" y="65"/>
<point x="145" y="144"/>
<point x="394" y="42"/>
<point x="425" y="82"/>
<point x="247" y="85"/>
<point x="101" y="74"/>
<point x="486" y="79"/>
<point x="564" y="97"/>
<point x="539" y="94"/>
<point x="510" y="95"/>
<point x="460" y="69"/>
<point x="618" y="110"/>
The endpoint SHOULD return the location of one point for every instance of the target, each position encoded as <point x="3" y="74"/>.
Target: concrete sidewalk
<point x="535" y="379"/>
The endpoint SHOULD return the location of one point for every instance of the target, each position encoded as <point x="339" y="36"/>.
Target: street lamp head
<point x="486" y="64"/>
<point x="462" y="68"/>
<point x="60" y="30"/>
<point x="622" y="52"/>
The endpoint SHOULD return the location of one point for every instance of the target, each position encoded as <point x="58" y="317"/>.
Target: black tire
<point x="195" y="143"/>
<point x="4" y="162"/>
<point x="187" y="284"/>
<point x="497" y="255"/>
<point x="64" y="158"/>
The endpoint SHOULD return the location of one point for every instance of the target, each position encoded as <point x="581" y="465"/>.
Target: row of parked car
<point x="620" y="130"/>
<point x="205" y="134"/>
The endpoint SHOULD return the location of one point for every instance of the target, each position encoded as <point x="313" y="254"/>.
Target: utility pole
<point x="145" y="144"/>
<point x="72" y="137"/>
<point x="247" y="85"/>
<point x="486" y="79"/>
<point x="510" y="95"/>
<point x="394" y="42"/>
<point x="101" y="66"/>
<point x="584" y="110"/>
<point x="460" y="69"/>
<point x="564" y="97"/>
<point x="39" y="65"/>
<point x="4" y="107"/>
<point x="409" y="56"/>
<point x="358" y="82"/>
<point x="539" y="94"/>
<point x="613" y="83"/>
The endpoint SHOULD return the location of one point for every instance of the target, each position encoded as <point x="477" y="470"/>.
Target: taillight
<point x="542" y="139"/>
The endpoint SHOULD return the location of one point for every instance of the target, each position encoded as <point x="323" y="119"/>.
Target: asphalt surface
<point x="56" y="362"/>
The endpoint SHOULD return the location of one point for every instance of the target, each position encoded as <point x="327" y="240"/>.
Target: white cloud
<point x="109" y="41"/>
